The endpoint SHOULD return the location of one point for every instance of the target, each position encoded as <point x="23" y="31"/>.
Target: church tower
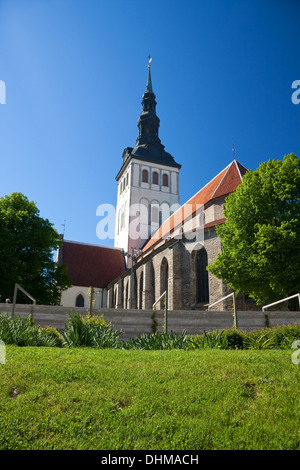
<point x="148" y="181"/>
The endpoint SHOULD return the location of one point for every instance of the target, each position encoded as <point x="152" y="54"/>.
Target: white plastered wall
<point x="68" y="297"/>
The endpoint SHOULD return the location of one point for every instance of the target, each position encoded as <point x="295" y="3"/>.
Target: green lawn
<point x="84" y="398"/>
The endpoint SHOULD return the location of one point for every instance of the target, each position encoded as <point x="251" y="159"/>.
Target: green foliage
<point x="261" y="236"/>
<point x="27" y="245"/>
<point x="212" y="340"/>
<point x="23" y="332"/>
<point x="156" y="341"/>
<point x="90" y="331"/>
<point x="280" y="337"/>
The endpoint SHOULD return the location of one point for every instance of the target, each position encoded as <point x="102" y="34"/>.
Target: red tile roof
<point x="224" y="183"/>
<point x="92" y="265"/>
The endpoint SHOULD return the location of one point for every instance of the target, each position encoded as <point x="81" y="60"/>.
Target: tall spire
<point x="149" y="81"/>
<point x="148" y="146"/>
<point x="148" y="122"/>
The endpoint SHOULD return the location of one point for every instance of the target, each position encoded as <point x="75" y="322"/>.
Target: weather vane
<point x="150" y="58"/>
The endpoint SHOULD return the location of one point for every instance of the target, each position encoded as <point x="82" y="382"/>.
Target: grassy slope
<point x="82" y="398"/>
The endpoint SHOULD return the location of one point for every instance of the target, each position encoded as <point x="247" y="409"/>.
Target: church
<point x="160" y="247"/>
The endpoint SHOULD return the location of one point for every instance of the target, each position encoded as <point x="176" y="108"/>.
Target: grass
<point x="113" y="399"/>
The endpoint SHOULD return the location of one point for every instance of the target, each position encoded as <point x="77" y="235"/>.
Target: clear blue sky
<point x="75" y="72"/>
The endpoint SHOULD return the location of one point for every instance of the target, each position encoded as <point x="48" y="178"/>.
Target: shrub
<point x="23" y="332"/>
<point x="234" y="339"/>
<point x="90" y="331"/>
<point x="279" y="337"/>
<point x="212" y="339"/>
<point x="53" y="336"/>
<point x="156" y="340"/>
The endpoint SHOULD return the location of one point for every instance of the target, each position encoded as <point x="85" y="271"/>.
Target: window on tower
<point x="155" y="177"/>
<point x="145" y="176"/>
<point x="165" y="180"/>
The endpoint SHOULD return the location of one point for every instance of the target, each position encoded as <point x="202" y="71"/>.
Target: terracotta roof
<point x="224" y="183"/>
<point x="92" y="265"/>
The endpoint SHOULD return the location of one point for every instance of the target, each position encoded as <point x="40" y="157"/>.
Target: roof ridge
<point x="92" y="244"/>
<point x="227" y="169"/>
<point x="236" y="164"/>
<point x="240" y="165"/>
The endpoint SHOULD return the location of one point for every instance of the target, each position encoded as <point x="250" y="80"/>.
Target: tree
<point x="27" y="244"/>
<point x="261" y="236"/>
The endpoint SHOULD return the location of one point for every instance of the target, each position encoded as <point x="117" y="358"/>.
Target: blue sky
<point x="75" y="72"/>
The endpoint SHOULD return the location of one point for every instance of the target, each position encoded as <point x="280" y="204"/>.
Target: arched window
<point x="202" y="276"/>
<point x="155" y="177"/>
<point x="126" y="300"/>
<point x="164" y="276"/>
<point x="141" y="290"/>
<point x="79" y="301"/>
<point x="145" y="176"/>
<point x="165" y="180"/>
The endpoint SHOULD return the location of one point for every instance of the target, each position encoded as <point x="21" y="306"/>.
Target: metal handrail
<point x="165" y="295"/>
<point x="234" y="306"/>
<point x="283" y="300"/>
<point x="17" y="286"/>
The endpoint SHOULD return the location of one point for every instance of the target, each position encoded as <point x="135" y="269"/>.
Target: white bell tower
<point x="148" y="182"/>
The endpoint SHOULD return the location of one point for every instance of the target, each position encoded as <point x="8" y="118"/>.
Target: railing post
<point x="235" y="312"/>
<point x="165" y="295"/>
<point x="166" y="311"/>
<point x="234" y="307"/>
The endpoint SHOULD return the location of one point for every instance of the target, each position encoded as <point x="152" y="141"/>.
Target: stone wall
<point x="137" y="322"/>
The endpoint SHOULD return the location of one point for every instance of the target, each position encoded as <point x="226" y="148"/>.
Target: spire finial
<point x="149" y="81"/>
<point x="233" y="149"/>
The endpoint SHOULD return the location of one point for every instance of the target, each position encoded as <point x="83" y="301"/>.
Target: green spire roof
<point x="149" y="82"/>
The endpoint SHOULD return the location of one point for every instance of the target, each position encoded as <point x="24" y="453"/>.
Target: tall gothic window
<point x="141" y="290"/>
<point x="145" y="176"/>
<point x="164" y="276"/>
<point x="165" y="180"/>
<point x="202" y="276"/>
<point x="126" y="303"/>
